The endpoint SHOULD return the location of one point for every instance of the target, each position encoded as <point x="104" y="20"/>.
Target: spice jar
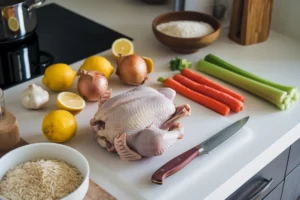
<point x="9" y="129"/>
<point x="2" y="104"/>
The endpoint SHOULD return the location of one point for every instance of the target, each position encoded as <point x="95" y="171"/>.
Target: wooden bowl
<point x="186" y="45"/>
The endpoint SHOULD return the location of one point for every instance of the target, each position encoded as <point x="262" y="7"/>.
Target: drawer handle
<point x="264" y="187"/>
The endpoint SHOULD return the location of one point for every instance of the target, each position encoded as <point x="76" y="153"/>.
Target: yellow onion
<point x="132" y="70"/>
<point x="91" y="85"/>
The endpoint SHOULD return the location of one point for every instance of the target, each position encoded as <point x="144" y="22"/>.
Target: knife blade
<point x="205" y="147"/>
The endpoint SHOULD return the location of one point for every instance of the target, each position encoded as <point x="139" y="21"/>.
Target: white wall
<point x="206" y="6"/>
<point x="286" y="17"/>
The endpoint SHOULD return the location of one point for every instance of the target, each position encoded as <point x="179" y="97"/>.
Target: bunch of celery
<point x="280" y="95"/>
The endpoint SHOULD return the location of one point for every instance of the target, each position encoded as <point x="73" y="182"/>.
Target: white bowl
<point x="49" y="151"/>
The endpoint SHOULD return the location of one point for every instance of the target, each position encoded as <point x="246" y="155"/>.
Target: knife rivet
<point x="162" y="170"/>
<point x="178" y="159"/>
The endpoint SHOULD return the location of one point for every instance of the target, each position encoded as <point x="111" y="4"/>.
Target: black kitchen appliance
<point x="61" y="36"/>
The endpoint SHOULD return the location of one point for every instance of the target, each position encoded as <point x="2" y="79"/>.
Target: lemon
<point x="98" y="63"/>
<point x="59" y="126"/>
<point x="70" y="102"/>
<point x="149" y="63"/>
<point x="59" y="77"/>
<point x="122" y="46"/>
<point x="13" y="24"/>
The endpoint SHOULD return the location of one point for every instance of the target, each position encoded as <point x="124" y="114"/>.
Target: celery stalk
<point x="266" y="92"/>
<point x="296" y="96"/>
<point x="281" y="106"/>
<point x="287" y="99"/>
<point x="287" y="106"/>
<point x="221" y="63"/>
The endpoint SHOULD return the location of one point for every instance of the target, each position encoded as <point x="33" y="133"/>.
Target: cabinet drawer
<point x="291" y="189"/>
<point x="294" y="158"/>
<point x="261" y="184"/>
<point x="276" y="193"/>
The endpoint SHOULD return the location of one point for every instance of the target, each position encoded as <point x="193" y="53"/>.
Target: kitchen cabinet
<point x="276" y="193"/>
<point x="294" y="158"/>
<point x="279" y="180"/>
<point x="291" y="190"/>
<point x="260" y="185"/>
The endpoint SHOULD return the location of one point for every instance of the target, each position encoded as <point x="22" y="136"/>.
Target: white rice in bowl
<point x="185" y="29"/>
<point x="43" y="179"/>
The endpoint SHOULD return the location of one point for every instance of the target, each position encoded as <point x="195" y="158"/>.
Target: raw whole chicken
<point x="140" y="122"/>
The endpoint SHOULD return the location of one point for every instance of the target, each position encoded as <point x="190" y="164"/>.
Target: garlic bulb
<point x="34" y="97"/>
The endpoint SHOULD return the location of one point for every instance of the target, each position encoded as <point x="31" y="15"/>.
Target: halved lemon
<point x="13" y="24"/>
<point x="149" y="63"/>
<point x="122" y="46"/>
<point x="70" y="102"/>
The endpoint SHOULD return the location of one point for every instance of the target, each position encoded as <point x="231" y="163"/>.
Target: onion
<point x="132" y="70"/>
<point x="91" y="85"/>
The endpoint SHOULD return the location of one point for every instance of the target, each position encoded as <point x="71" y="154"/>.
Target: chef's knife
<point x="205" y="147"/>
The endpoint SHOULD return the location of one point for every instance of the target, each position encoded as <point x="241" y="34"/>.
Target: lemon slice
<point x="149" y="63"/>
<point x="70" y="102"/>
<point x="122" y="46"/>
<point x="13" y="24"/>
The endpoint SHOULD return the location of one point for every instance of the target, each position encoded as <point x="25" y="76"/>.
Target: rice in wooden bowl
<point x="206" y="29"/>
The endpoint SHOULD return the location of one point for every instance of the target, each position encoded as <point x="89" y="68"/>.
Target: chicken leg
<point x="149" y="142"/>
<point x="181" y="111"/>
<point x="154" y="141"/>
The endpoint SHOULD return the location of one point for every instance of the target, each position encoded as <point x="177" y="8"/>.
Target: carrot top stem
<point x="161" y="79"/>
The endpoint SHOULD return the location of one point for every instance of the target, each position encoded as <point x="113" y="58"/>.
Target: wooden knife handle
<point x="174" y="165"/>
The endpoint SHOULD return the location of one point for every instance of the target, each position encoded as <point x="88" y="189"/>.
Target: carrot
<point x="205" y="81"/>
<point x="197" y="97"/>
<point x="234" y="104"/>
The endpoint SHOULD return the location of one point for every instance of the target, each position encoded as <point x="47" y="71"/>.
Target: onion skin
<point x="91" y="85"/>
<point x="132" y="70"/>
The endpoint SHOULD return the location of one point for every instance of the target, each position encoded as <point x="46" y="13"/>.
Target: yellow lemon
<point x="70" y="102"/>
<point x="59" y="77"/>
<point x="13" y="24"/>
<point x="149" y="63"/>
<point x="98" y="63"/>
<point x="122" y="46"/>
<point x="59" y="126"/>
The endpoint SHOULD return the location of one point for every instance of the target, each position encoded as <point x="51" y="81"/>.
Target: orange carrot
<point x="205" y="81"/>
<point x="234" y="104"/>
<point x="197" y="97"/>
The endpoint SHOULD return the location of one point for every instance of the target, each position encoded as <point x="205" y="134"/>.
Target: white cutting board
<point x="132" y="180"/>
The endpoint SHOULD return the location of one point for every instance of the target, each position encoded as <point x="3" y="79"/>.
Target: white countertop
<point x="272" y="130"/>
